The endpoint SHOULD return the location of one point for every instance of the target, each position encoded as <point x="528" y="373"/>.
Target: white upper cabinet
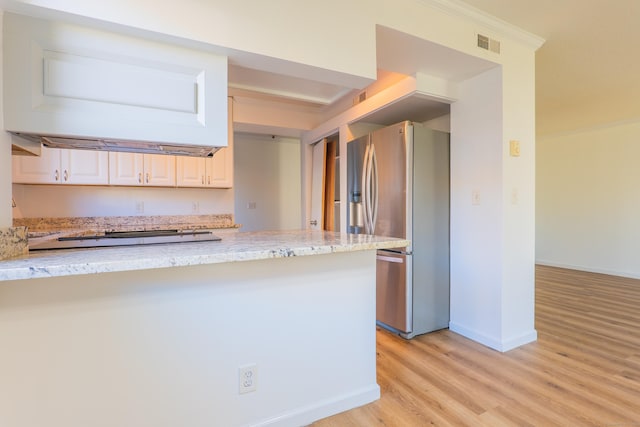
<point x="67" y="80"/>
<point x="213" y="172"/>
<point x="142" y="169"/>
<point x="160" y="170"/>
<point x="44" y="169"/>
<point x="126" y="169"/>
<point x="55" y="166"/>
<point x="191" y="172"/>
<point x="220" y="166"/>
<point x="220" y="169"/>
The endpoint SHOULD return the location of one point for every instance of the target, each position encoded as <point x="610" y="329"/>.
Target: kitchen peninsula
<point x="158" y="335"/>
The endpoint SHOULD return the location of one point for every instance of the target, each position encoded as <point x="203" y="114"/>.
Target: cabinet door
<point x="84" y="167"/>
<point x="190" y="171"/>
<point x="220" y="169"/>
<point x="43" y="169"/>
<point x="220" y="166"/>
<point x="129" y="88"/>
<point x="159" y="170"/>
<point x="126" y="168"/>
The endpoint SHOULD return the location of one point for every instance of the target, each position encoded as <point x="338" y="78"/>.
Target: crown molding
<point x="459" y="8"/>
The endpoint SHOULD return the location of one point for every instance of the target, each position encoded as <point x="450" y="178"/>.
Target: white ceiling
<point x="586" y="71"/>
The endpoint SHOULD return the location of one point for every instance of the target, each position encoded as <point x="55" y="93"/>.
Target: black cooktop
<point x="126" y="238"/>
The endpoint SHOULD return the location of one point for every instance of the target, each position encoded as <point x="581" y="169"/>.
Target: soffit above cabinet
<point x="280" y="86"/>
<point x="415" y="108"/>
<point x="418" y="55"/>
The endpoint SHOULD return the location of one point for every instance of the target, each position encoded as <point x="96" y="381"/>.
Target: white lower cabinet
<point x="142" y="169"/>
<point x="54" y="166"/>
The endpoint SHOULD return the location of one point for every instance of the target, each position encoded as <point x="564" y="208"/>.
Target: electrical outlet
<point x="139" y="207"/>
<point x="247" y="378"/>
<point x="251" y="205"/>
<point x="195" y="207"/>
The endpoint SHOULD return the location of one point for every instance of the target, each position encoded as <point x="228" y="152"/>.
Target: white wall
<point x="518" y="200"/>
<point x="492" y="270"/>
<point x="6" y="219"/>
<point x="588" y="200"/>
<point x="267" y="174"/>
<point x="162" y="348"/>
<point x="75" y="201"/>
<point x="477" y="247"/>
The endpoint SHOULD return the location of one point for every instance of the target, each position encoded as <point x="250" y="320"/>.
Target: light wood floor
<point x="584" y="369"/>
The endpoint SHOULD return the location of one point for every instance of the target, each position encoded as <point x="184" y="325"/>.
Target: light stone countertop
<point x="233" y="247"/>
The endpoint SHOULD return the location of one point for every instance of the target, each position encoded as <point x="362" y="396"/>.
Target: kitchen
<point x="485" y="168"/>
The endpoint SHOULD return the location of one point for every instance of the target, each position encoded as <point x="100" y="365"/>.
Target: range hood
<point x="104" y="144"/>
<point x="76" y="87"/>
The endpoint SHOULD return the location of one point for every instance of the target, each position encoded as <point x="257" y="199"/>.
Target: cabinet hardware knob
<point x="57" y="175"/>
<point x="140" y="178"/>
<point x="147" y="177"/>
<point x="313" y="222"/>
<point x="66" y="175"/>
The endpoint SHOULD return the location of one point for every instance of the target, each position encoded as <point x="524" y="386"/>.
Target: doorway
<point x="325" y="192"/>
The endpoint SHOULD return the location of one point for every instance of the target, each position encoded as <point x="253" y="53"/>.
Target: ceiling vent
<point x="489" y="44"/>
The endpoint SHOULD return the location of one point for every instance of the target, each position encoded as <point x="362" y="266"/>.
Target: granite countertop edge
<point x="234" y="247"/>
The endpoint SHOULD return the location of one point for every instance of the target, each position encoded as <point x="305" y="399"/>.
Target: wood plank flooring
<point x="584" y="370"/>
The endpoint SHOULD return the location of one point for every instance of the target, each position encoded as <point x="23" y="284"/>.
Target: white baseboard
<point x="308" y="414"/>
<point x="630" y="275"/>
<point x="491" y="342"/>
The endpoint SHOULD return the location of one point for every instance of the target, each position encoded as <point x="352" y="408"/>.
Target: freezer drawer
<point x="393" y="291"/>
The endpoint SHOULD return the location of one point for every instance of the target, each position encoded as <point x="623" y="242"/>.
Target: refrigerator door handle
<point x="369" y="194"/>
<point x="374" y="189"/>
<point x="389" y="259"/>
<point x="365" y="189"/>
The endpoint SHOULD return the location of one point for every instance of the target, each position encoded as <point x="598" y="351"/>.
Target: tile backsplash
<point x="126" y="223"/>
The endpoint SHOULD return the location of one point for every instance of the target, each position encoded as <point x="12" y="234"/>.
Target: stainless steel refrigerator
<point x="398" y="186"/>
